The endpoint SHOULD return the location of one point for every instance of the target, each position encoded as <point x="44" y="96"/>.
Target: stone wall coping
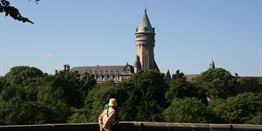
<point x="134" y="125"/>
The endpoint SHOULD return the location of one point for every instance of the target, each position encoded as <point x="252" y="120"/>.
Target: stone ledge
<point x="135" y="125"/>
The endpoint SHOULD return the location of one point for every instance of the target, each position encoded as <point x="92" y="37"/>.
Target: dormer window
<point x="145" y="29"/>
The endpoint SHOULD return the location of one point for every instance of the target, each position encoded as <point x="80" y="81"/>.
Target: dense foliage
<point x="216" y="83"/>
<point x="9" y="10"/>
<point x="179" y="87"/>
<point x="189" y="109"/>
<point x="29" y="96"/>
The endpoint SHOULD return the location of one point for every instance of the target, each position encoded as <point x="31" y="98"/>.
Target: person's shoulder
<point x="111" y="109"/>
<point x="106" y="106"/>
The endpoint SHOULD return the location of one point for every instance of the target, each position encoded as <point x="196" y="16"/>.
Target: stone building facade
<point x="104" y="73"/>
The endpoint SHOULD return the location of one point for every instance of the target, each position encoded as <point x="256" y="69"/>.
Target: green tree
<point x="78" y="117"/>
<point x="180" y="88"/>
<point x="30" y="97"/>
<point x="248" y="85"/>
<point x="74" y="86"/>
<point x="2" y="82"/>
<point x="87" y="82"/>
<point x="145" y="97"/>
<point x="256" y="119"/>
<point x="30" y="112"/>
<point x="11" y="99"/>
<point x="5" y="7"/>
<point x="18" y="74"/>
<point x="187" y="109"/>
<point x="216" y="83"/>
<point x="178" y="75"/>
<point x="33" y="101"/>
<point x="55" y="103"/>
<point x="239" y="109"/>
<point x="94" y="102"/>
<point x="213" y="117"/>
<point x="18" y="89"/>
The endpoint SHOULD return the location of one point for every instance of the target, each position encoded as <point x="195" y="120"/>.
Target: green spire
<point x="145" y="25"/>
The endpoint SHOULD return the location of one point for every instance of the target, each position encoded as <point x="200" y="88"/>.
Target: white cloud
<point x="47" y="56"/>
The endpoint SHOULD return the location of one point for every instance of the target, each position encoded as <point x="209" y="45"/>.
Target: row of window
<point x="111" y="71"/>
<point x="150" y="37"/>
<point x="106" y="77"/>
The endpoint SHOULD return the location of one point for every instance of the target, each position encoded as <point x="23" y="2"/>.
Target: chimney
<point x="67" y="67"/>
<point x="56" y="71"/>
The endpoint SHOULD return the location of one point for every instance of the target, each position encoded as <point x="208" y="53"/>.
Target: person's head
<point x="108" y="97"/>
<point x="112" y="102"/>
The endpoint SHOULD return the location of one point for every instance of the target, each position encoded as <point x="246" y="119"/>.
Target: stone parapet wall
<point x="136" y="126"/>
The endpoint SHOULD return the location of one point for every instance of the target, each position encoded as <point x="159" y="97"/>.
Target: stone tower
<point x="145" y="43"/>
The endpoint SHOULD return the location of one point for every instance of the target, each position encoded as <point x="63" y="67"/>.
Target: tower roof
<point x="145" y="25"/>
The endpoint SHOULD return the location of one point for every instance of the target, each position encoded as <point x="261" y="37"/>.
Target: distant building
<point x="212" y="64"/>
<point x="190" y="77"/>
<point x="145" y="43"/>
<point x="104" y="73"/>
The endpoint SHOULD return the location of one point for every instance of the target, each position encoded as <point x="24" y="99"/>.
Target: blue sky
<point x="189" y="34"/>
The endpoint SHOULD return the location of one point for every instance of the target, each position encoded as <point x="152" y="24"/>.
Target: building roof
<point x="103" y="69"/>
<point x="190" y="77"/>
<point x="145" y="25"/>
<point x="155" y="66"/>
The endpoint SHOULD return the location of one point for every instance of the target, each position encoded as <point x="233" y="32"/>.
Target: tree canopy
<point x="29" y="96"/>
<point x="180" y="88"/>
<point x="186" y="110"/>
<point x="146" y="96"/>
<point x="240" y="109"/>
<point x="216" y="83"/>
<point x="5" y="7"/>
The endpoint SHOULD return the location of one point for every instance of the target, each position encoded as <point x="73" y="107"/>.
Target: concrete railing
<point x="135" y="126"/>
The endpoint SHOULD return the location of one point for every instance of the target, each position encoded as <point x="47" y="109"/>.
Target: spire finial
<point x="145" y="8"/>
